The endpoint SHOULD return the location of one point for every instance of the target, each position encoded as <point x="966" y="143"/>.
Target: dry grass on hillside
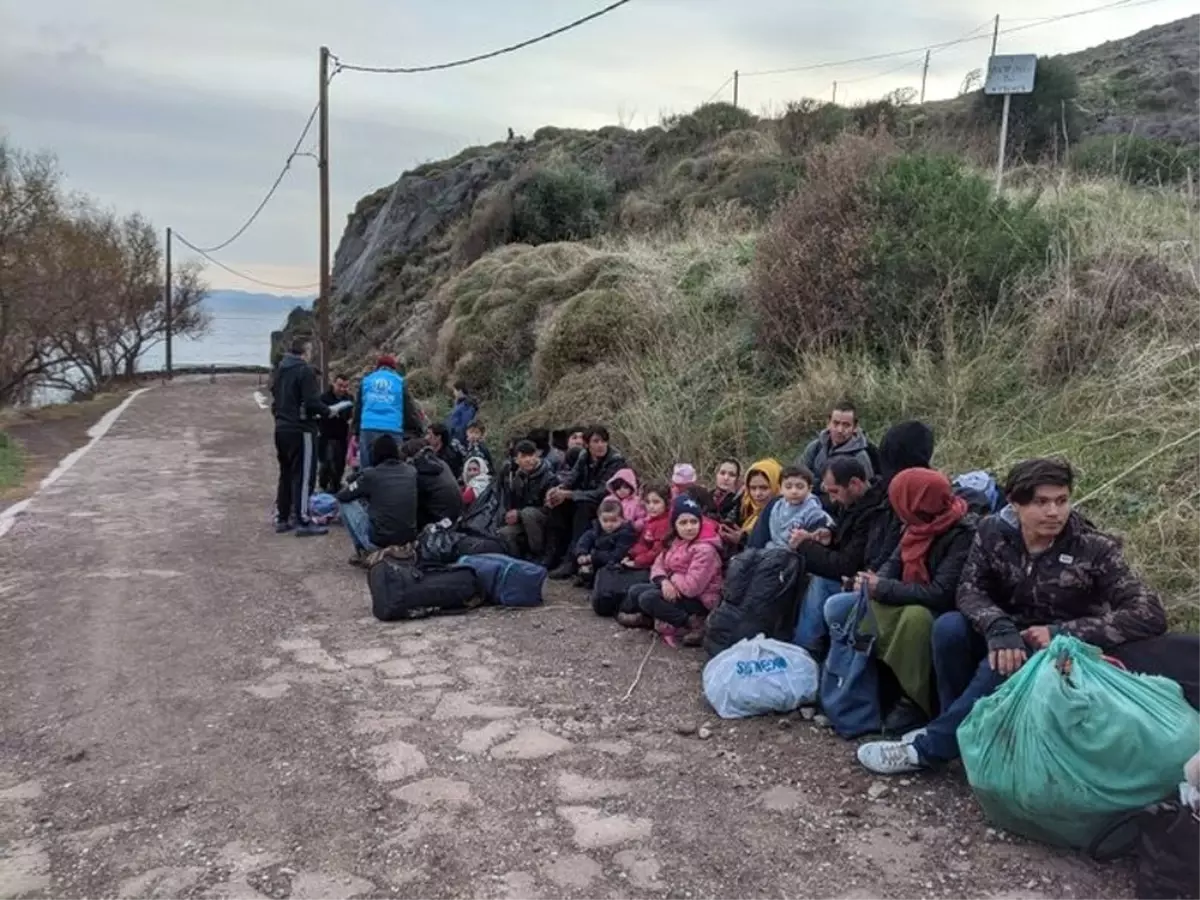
<point x="1101" y="366"/>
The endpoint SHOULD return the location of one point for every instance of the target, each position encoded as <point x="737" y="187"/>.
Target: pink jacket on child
<point x="632" y="507"/>
<point x="694" y="567"/>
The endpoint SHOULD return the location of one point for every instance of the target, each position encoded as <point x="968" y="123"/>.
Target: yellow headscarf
<point x="751" y="510"/>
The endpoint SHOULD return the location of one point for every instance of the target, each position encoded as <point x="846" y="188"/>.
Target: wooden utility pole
<point x="924" y="77"/>
<point x="735" y="87"/>
<point x="170" y="318"/>
<point x="995" y="33"/>
<point x="324" y="299"/>
<point x="835" y="92"/>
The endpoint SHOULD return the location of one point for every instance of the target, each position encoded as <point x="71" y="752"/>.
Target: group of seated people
<point x="965" y="579"/>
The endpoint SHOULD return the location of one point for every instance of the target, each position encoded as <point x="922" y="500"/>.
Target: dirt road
<point x="196" y="707"/>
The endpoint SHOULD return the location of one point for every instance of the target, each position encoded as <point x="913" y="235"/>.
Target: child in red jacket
<point x="613" y="583"/>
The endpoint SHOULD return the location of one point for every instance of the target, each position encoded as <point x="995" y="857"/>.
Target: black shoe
<point x="565" y="571"/>
<point x="903" y="717"/>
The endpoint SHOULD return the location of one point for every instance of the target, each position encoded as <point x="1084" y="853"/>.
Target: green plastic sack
<point x="1059" y="749"/>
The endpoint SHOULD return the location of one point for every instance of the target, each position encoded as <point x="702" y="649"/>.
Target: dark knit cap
<point x="683" y="505"/>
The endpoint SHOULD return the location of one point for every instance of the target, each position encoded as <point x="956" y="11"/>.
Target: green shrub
<point x="1136" y="159"/>
<point x="1041" y="122"/>
<point x="867" y="251"/>
<point x="808" y="122"/>
<point x="936" y="228"/>
<point x="563" y="203"/>
<point x="596" y="326"/>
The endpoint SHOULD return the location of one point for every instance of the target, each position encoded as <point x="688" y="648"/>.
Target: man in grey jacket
<point x="841" y="437"/>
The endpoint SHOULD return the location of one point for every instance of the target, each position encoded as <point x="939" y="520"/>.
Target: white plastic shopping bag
<point x="760" y="675"/>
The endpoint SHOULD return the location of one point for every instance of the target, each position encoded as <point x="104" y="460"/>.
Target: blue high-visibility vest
<point x="382" y="401"/>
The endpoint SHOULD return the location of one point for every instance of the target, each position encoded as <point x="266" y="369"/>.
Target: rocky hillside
<point x="403" y="242"/>
<point x="1148" y="83"/>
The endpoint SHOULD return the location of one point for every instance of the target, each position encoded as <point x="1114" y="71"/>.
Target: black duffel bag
<point x="401" y="590"/>
<point x="473" y="545"/>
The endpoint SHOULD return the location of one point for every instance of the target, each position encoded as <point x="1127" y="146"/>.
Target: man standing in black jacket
<point x="297" y="407"/>
<point x="335" y="436"/>
<point x="389" y="487"/>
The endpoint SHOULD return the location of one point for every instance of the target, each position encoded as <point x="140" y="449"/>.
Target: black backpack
<point x="759" y="597"/>
<point x="400" y="590"/>
<point x="1163" y="837"/>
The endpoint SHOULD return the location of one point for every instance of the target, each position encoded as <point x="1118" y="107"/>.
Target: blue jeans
<point x="811" y="632"/>
<point x="366" y="439"/>
<point x="358" y="524"/>
<point x="964" y="676"/>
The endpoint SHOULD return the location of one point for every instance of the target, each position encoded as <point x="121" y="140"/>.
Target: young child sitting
<point x="798" y="508"/>
<point x="623" y="487"/>
<point x="685" y="582"/>
<point x="613" y="583"/>
<point x="606" y="543"/>
<point x="654" y="533"/>
<point x="683" y="476"/>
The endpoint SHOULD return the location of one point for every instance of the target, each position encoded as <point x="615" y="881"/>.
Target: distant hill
<point x="1146" y="83"/>
<point x="248" y="304"/>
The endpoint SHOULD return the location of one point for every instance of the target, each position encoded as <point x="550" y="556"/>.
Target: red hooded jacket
<point x="650" y="541"/>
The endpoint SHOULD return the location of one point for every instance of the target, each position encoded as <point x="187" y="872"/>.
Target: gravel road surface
<point x="193" y="706"/>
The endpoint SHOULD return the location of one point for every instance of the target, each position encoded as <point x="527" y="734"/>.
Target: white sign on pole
<point x="1012" y="74"/>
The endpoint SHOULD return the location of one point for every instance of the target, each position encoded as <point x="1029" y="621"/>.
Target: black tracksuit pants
<point x="296" y="453"/>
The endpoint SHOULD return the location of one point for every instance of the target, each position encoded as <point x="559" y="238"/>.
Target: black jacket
<point x="390" y="490"/>
<point x="336" y="427"/>
<point x="864" y="536"/>
<point x="295" y="397"/>
<point x="945" y="560"/>
<point x="438" y="494"/>
<point x="606" y="548"/>
<point x="450" y="455"/>
<point x="530" y="490"/>
<point x="588" y="480"/>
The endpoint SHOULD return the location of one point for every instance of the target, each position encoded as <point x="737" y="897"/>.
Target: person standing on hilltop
<point x="385" y="406"/>
<point x="296" y="405"/>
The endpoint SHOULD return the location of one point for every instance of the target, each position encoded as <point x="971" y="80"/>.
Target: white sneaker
<point x="889" y="757"/>
<point x="909" y="736"/>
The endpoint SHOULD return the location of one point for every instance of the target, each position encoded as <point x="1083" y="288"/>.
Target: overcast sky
<point x="185" y="110"/>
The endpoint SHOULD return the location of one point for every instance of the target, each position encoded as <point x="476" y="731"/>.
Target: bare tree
<point x="30" y="204"/>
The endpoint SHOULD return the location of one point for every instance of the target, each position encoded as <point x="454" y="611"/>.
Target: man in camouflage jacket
<point x="1036" y="569"/>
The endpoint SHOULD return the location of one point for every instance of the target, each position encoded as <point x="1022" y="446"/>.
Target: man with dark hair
<point x="388" y="516"/>
<point x="296" y="405"/>
<point x="438" y="493"/>
<point x="551" y="454"/>
<point x="574" y="501"/>
<point x="525" y="514"/>
<point x="438" y="438"/>
<point x="385" y="406"/>
<point x="840" y="438"/>
<point x="1036" y="569"/>
<point x="335" y="435"/>
<point x="858" y="542"/>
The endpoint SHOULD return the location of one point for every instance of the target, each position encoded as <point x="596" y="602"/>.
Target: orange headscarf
<point x="926" y="504"/>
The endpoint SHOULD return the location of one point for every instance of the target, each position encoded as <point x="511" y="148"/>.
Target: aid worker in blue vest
<point x="385" y="406"/>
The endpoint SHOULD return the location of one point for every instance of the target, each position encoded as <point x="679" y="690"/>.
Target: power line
<point x="944" y="44"/>
<point x="911" y="64"/>
<point x="724" y="84"/>
<point x="271" y="192"/>
<point x="412" y="70"/>
<point x="216" y="262"/>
